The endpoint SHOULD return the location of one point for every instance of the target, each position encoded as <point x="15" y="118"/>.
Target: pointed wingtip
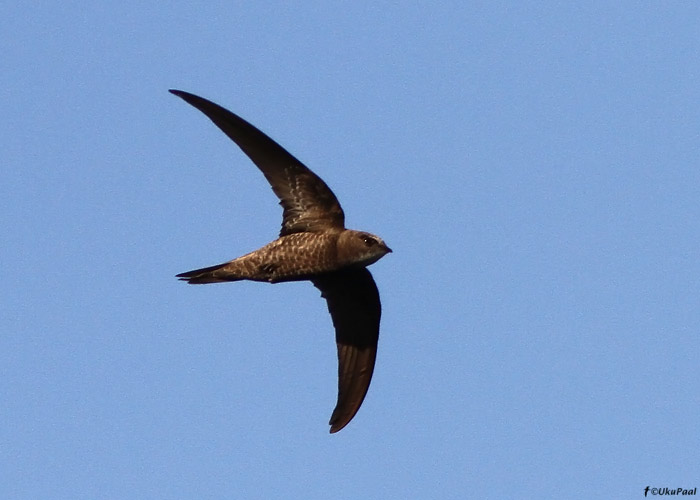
<point x="337" y="425"/>
<point x="180" y="93"/>
<point x="186" y="96"/>
<point x="346" y="410"/>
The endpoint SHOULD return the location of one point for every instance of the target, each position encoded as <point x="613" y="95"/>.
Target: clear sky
<point x="535" y="168"/>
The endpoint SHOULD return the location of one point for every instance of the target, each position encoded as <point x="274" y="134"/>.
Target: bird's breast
<point x="299" y="256"/>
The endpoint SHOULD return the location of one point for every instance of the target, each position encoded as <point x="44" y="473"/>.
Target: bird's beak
<point x="388" y="250"/>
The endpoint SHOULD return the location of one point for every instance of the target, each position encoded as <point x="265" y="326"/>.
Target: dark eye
<point x="369" y="241"/>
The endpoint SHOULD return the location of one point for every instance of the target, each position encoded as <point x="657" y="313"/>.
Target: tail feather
<point x="213" y="274"/>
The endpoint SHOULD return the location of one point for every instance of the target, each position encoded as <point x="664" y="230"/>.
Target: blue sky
<point x="533" y="167"/>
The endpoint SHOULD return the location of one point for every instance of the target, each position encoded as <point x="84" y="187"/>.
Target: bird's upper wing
<point x="353" y="301"/>
<point x="308" y="203"/>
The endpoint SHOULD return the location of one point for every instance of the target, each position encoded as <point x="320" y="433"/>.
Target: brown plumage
<point x="313" y="245"/>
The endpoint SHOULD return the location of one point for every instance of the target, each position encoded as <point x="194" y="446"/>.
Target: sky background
<point x="535" y="169"/>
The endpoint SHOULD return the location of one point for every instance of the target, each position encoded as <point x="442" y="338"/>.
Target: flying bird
<point x="313" y="245"/>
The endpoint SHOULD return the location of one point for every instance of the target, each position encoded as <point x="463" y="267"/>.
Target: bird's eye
<point x="369" y="241"/>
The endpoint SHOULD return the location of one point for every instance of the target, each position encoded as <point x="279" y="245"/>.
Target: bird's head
<point x="360" y="248"/>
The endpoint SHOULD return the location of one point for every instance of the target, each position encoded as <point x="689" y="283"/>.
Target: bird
<point x="313" y="245"/>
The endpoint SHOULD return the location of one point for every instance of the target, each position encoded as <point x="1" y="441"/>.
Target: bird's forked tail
<point x="213" y="274"/>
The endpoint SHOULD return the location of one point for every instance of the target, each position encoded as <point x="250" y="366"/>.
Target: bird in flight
<point x="313" y="245"/>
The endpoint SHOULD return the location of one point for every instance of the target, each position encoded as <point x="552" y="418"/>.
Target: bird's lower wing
<point x="353" y="301"/>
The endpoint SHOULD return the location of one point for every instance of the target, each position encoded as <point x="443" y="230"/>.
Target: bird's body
<point x="313" y="245"/>
<point x="294" y="257"/>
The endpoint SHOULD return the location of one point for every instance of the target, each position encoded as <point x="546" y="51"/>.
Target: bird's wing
<point x="308" y="203"/>
<point x="353" y="301"/>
